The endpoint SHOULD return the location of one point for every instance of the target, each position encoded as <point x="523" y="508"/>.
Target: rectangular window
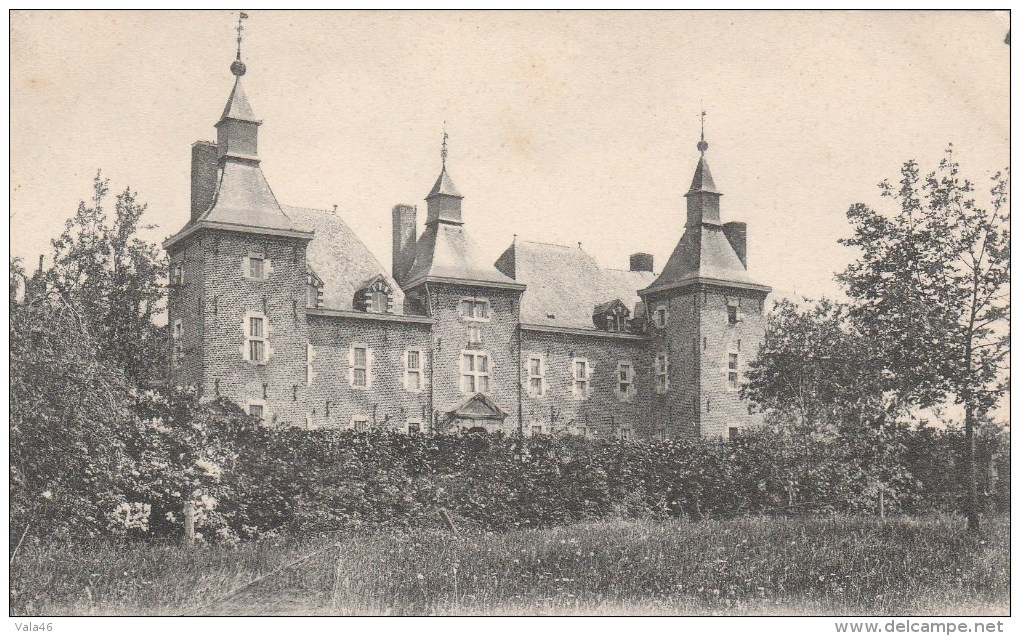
<point x="626" y="432"/>
<point x="177" y="276"/>
<point x="660" y="435"/>
<point x="309" y="356"/>
<point x="731" y="315"/>
<point x="661" y="373"/>
<point x="379" y="301"/>
<point x="178" y="338"/>
<point x="625" y="381"/>
<point x="581" y="378"/>
<point x="660" y="316"/>
<point x="536" y="429"/>
<point x="536" y="376"/>
<point x="360" y="423"/>
<point x="474" y="308"/>
<point x="413" y="369"/>
<point x="413" y="427"/>
<point x="360" y="367"/>
<point x="734" y="432"/>
<point x="731" y="372"/>
<point x="474" y="376"/>
<point x="256" y="337"/>
<point x="256" y="267"/>
<point x="255" y="410"/>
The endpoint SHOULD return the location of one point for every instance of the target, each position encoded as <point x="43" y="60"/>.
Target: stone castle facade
<point x="285" y="311"/>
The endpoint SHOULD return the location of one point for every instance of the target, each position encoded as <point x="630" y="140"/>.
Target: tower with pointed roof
<point x="476" y="310"/>
<point x="705" y="319"/>
<point x="238" y="272"/>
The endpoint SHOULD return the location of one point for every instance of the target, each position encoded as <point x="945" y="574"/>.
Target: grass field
<point x="745" y="566"/>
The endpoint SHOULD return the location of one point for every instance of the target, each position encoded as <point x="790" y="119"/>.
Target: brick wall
<point x="721" y="407"/>
<point x="185" y="304"/>
<point x="498" y="339"/>
<point x="228" y="295"/>
<point x="604" y="411"/>
<point x="386" y="402"/>
<point x="676" y="410"/>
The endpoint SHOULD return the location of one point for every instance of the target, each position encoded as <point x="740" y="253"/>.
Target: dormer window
<point x="375" y="296"/>
<point x="612" y="316"/>
<point x="313" y="289"/>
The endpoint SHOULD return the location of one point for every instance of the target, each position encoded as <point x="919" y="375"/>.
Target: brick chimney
<point x="641" y="262"/>
<point x="204" y="173"/>
<point x="405" y="227"/>
<point x="736" y="234"/>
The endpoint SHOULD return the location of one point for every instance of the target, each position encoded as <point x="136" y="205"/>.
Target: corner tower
<point x="705" y="317"/>
<point x="238" y="275"/>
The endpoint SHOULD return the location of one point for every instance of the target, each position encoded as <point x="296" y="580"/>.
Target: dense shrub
<point x="249" y="480"/>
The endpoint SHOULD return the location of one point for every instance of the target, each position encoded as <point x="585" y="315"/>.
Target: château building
<point x="285" y="311"/>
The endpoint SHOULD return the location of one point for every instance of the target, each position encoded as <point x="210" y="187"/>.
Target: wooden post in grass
<point x="189" y="523"/>
<point x="881" y="502"/>
<point x="447" y="520"/>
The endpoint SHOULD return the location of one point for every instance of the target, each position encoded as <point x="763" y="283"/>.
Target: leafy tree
<point x="931" y="289"/>
<point x="816" y="369"/>
<point x="68" y="415"/>
<point x="116" y="279"/>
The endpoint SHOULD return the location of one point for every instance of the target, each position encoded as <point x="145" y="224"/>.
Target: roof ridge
<point x="567" y="247"/>
<point x="303" y="207"/>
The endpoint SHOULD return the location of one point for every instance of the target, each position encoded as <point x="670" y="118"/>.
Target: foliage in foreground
<point x="740" y="566"/>
<point x="250" y="481"/>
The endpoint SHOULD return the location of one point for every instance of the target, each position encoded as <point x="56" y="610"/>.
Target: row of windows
<point x="475" y="366"/>
<point x="660" y="317"/>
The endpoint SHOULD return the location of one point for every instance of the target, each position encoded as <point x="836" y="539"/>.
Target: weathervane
<point x="238" y="68"/>
<point x="703" y="145"/>
<point x="444" y="151"/>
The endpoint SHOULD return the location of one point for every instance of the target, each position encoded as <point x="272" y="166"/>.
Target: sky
<point x="563" y="127"/>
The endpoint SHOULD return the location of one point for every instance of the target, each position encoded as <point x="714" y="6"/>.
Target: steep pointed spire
<point x="709" y="250"/>
<point x="702" y="181"/>
<point x="238" y="106"/>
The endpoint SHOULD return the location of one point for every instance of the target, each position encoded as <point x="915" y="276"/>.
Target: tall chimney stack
<point x="736" y="234"/>
<point x="204" y="169"/>
<point x="641" y="262"/>
<point x="405" y="228"/>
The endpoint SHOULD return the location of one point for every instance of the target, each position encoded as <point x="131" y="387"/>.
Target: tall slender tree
<point x="116" y="279"/>
<point x="931" y="288"/>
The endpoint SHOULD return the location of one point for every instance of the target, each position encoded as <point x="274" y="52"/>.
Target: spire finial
<point x="238" y="68"/>
<point x="703" y="145"/>
<point x="444" y="151"/>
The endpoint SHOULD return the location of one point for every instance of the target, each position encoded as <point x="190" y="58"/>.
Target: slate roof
<point x="446" y="251"/>
<point x="567" y="283"/>
<point x="340" y="259"/>
<point x="444" y="185"/>
<point x="702" y="181"/>
<point x="237" y="105"/>
<point x="702" y="253"/>
<point x="243" y="197"/>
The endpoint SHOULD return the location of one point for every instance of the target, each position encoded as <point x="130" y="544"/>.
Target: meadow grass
<point x="759" y="566"/>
